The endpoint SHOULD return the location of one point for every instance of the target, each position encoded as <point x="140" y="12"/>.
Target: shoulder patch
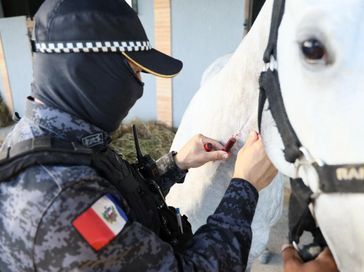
<point x="102" y="222"/>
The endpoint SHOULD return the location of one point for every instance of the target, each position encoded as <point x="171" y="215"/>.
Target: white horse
<point x="232" y="105"/>
<point x="323" y="97"/>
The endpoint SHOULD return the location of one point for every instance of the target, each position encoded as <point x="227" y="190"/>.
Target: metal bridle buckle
<point x="271" y="65"/>
<point x="306" y="159"/>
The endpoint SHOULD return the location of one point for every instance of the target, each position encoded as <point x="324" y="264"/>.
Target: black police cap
<point x="98" y="26"/>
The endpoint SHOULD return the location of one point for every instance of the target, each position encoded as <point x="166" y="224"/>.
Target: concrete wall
<point x="145" y="108"/>
<point x="203" y="30"/>
<point x="18" y="58"/>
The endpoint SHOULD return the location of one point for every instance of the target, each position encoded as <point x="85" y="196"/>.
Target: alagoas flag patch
<point x="100" y="223"/>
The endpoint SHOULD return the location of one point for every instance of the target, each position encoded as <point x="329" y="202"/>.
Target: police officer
<point x="61" y="213"/>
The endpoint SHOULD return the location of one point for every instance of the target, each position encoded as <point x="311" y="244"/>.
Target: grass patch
<point x="5" y="116"/>
<point x="155" y="139"/>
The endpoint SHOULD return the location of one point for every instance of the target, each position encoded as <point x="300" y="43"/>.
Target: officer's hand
<point x="194" y="155"/>
<point x="253" y="165"/>
<point x="293" y="263"/>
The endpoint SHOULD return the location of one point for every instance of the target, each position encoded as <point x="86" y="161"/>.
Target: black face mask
<point x="98" y="88"/>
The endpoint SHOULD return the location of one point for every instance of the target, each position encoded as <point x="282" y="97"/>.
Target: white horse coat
<point x="232" y="104"/>
<point x="323" y="100"/>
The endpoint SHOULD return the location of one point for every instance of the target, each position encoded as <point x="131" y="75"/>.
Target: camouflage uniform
<point x="38" y="206"/>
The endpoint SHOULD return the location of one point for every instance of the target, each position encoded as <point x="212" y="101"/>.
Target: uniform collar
<point x="65" y="126"/>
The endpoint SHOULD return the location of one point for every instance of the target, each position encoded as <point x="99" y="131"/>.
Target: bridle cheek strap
<point x="270" y="90"/>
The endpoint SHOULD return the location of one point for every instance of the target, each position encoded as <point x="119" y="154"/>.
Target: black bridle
<point x="346" y="178"/>
<point x="332" y="178"/>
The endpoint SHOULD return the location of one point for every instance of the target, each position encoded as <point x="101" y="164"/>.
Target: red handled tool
<point x="208" y="147"/>
<point x="228" y="146"/>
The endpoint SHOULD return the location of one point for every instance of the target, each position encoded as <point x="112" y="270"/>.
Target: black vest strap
<point x="143" y="199"/>
<point x="42" y="150"/>
<point x="51" y="151"/>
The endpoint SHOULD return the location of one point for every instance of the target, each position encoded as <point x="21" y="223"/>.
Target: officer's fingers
<point x="291" y="259"/>
<point x="252" y="138"/>
<point x="327" y="260"/>
<point x="216" y="145"/>
<point x="217" y="156"/>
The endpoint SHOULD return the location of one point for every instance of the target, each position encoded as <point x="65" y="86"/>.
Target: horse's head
<point x="319" y="55"/>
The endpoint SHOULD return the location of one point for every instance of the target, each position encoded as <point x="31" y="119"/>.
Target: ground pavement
<point x="278" y="237"/>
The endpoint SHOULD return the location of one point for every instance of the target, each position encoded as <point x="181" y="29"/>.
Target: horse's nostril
<point x="313" y="50"/>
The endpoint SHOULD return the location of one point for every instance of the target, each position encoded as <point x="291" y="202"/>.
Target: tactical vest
<point x="145" y="201"/>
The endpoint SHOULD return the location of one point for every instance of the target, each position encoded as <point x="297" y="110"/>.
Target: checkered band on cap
<point x="93" y="46"/>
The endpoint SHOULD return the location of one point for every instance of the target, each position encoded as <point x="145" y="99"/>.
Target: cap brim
<point x="155" y="62"/>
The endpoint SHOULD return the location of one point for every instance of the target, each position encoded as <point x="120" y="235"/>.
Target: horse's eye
<point x="314" y="51"/>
